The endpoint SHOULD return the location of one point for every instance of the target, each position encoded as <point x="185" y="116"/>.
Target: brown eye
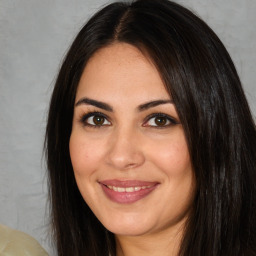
<point x="98" y="120"/>
<point x="95" y="120"/>
<point x="161" y="121"/>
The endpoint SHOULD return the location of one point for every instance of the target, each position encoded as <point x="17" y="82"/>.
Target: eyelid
<point x="85" y="116"/>
<point x="172" y="120"/>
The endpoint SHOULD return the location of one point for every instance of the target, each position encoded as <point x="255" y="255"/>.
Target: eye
<point x="95" y="119"/>
<point x="160" y="120"/>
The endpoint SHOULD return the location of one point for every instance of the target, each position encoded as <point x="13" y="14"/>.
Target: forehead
<point x="120" y="70"/>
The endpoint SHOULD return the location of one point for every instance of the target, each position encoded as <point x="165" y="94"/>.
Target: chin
<point x="128" y="231"/>
<point x="128" y="226"/>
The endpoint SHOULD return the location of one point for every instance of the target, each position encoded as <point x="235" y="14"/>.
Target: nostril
<point x="130" y="165"/>
<point x="125" y="161"/>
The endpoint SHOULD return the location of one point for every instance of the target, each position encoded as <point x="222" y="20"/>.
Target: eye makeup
<point x="159" y="121"/>
<point x="96" y="119"/>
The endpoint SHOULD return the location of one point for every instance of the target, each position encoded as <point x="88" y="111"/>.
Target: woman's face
<point x="127" y="146"/>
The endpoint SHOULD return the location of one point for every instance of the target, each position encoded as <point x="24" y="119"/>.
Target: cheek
<point x="172" y="156"/>
<point x="84" y="154"/>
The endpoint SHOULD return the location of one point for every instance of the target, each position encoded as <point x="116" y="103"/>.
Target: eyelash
<point x="85" y="118"/>
<point x="172" y="121"/>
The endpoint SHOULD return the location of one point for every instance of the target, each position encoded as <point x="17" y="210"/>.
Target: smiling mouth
<point x="127" y="192"/>
<point x="128" y="189"/>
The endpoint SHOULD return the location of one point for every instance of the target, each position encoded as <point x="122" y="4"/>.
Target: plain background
<point x="34" y="36"/>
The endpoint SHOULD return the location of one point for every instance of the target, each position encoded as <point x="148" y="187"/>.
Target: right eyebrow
<point x="98" y="104"/>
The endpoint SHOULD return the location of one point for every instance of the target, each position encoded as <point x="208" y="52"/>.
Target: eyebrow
<point x="107" y="107"/>
<point x="96" y="103"/>
<point x="152" y="104"/>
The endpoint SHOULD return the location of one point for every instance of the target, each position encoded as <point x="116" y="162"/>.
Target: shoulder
<point x="14" y="242"/>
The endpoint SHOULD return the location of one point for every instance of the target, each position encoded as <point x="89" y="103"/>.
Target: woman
<point x="150" y="142"/>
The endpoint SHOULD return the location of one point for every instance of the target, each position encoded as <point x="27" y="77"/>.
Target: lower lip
<point x="126" y="197"/>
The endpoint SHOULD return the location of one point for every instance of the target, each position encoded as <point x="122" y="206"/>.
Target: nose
<point x="125" y="151"/>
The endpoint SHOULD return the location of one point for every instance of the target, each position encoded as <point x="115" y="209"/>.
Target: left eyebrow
<point x="152" y="104"/>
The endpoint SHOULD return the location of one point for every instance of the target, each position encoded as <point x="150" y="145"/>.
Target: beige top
<point x="17" y="243"/>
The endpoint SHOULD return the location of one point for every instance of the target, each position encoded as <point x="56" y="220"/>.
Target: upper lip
<point x="127" y="183"/>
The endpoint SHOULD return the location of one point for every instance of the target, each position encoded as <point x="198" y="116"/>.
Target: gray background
<point x="34" y="35"/>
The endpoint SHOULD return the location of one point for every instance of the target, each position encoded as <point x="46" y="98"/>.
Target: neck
<point x="164" y="243"/>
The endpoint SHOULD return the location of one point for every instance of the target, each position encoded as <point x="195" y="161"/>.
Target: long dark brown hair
<point x="201" y="78"/>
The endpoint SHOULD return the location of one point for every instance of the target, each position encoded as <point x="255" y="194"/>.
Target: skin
<point x="131" y="145"/>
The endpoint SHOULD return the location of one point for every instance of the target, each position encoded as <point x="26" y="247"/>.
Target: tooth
<point x="121" y="189"/>
<point x="131" y="189"/>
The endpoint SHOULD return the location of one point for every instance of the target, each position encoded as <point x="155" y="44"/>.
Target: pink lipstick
<point x="127" y="191"/>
